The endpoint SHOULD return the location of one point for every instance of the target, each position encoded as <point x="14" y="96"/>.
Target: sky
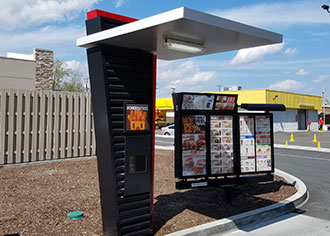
<point x="300" y="64"/>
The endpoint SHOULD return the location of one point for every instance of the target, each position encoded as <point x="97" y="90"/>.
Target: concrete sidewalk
<point x="291" y="224"/>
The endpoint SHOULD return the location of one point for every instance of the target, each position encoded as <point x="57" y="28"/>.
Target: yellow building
<point x="301" y="108"/>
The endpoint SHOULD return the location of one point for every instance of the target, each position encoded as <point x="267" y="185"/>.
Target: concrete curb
<point x="223" y="226"/>
<point x="304" y="148"/>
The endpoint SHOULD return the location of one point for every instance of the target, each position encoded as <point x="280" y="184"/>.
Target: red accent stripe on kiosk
<point x="154" y="69"/>
<point x="95" y="13"/>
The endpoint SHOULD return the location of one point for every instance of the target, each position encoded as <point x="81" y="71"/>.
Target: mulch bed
<point x="35" y="199"/>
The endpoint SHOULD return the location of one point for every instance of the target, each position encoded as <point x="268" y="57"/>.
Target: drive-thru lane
<point x="164" y="142"/>
<point x="313" y="168"/>
<point x="314" y="217"/>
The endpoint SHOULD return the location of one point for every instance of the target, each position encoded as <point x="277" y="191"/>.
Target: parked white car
<point x="168" y="130"/>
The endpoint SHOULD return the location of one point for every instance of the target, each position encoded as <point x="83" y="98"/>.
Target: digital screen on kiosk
<point x="224" y="102"/>
<point x="137" y="117"/>
<point x="255" y="143"/>
<point x="222" y="158"/>
<point x="193" y="145"/>
<point x="195" y="157"/>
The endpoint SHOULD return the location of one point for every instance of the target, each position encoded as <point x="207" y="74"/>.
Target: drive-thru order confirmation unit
<point x="122" y="54"/>
<point x="213" y="140"/>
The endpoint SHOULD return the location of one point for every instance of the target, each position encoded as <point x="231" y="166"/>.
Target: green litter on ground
<point x="75" y="215"/>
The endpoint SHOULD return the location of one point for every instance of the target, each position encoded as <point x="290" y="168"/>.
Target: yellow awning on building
<point x="164" y="103"/>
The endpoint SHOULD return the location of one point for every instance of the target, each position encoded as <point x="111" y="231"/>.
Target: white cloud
<point x="183" y="76"/>
<point x="251" y="55"/>
<point x="290" y="51"/>
<point x="321" y="78"/>
<point x="77" y="66"/>
<point x="119" y="3"/>
<point x="47" y="37"/>
<point x="285" y="13"/>
<point x="301" y="72"/>
<point x="21" y="14"/>
<point x="287" y="85"/>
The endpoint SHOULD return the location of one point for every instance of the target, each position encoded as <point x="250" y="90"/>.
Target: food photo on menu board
<point x="248" y="164"/>
<point x="264" y="163"/>
<point x="197" y="102"/>
<point x="221" y="145"/>
<point x="225" y="102"/>
<point x="193" y="145"/>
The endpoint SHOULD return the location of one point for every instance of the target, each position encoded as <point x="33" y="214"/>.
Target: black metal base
<point x="216" y="182"/>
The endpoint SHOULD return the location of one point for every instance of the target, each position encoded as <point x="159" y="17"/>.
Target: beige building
<point x="21" y="71"/>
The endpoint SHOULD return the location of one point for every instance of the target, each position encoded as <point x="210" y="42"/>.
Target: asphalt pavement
<point x="304" y="138"/>
<point x="312" y="167"/>
<point x="313" y="218"/>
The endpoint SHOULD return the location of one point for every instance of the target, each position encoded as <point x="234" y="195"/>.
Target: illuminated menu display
<point x="222" y="144"/>
<point x="194" y="145"/>
<point x="225" y="102"/>
<point x="255" y="143"/>
<point x="208" y="102"/>
<point x="137" y="117"/>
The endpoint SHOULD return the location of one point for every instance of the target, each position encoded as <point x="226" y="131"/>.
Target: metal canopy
<point x="216" y="34"/>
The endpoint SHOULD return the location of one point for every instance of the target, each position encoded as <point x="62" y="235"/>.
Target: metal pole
<point x="323" y="103"/>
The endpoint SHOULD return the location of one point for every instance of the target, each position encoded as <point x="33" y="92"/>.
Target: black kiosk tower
<point x="123" y="88"/>
<point x="122" y="67"/>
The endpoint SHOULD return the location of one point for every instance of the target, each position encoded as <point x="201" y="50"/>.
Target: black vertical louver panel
<point x="133" y="85"/>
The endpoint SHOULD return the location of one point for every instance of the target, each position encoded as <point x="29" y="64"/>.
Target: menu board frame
<point x="181" y="112"/>
<point x="255" y="144"/>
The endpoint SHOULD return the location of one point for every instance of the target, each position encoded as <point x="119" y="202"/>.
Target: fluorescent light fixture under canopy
<point x="183" y="46"/>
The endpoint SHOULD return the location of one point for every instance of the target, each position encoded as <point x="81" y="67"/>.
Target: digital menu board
<point x="263" y="142"/>
<point x="137" y="117"/>
<point x="255" y="143"/>
<point x="221" y="144"/>
<point x="247" y="144"/>
<point x="197" y="102"/>
<point x="225" y="102"/>
<point x="193" y="145"/>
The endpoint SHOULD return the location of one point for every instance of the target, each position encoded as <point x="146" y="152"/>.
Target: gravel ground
<point x="35" y="199"/>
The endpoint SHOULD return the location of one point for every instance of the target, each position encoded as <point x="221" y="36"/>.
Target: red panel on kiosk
<point x="154" y="70"/>
<point x="95" y="13"/>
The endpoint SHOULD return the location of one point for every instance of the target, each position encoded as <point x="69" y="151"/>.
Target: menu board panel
<point x="247" y="143"/>
<point x="197" y="102"/>
<point x="263" y="143"/>
<point x="221" y="144"/>
<point x="193" y="145"/>
<point x="225" y="102"/>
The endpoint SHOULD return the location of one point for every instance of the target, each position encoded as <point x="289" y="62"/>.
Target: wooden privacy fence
<point x="45" y="125"/>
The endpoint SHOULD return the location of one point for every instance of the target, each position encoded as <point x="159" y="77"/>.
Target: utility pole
<point x="323" y="103"/>
<point x="219" y="86"/>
